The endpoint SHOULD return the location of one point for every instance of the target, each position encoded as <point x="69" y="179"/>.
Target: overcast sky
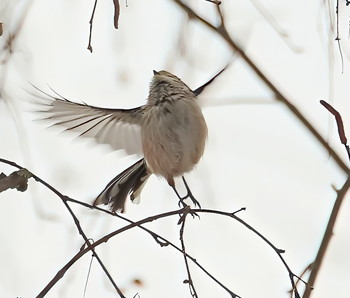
<point x="258" y="154"/>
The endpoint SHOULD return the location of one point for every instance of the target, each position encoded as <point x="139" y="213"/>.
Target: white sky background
<point x="258" y="154"/>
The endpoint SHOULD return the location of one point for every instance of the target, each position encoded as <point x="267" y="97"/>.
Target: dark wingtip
<point x="200" y="89"/>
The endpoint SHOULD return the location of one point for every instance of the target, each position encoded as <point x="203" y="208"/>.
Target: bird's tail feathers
<point x="130" y="181"/>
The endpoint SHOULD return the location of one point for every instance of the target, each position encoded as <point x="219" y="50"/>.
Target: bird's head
<point x="165" y="80"/>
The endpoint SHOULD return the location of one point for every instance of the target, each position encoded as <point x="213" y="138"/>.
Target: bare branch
<point x="116" y="20"/>
<point x="182" y="212"/>
<point x="162" y="241"/>
<point x="279" y="96"/>
<point x="338" y="37"/>
<point x="116" y="13"/>
<point x="76" y="221"/>
<point x="189" y="280"/>
<point x="316" y="265"/>
<point x="91" y="22"/>
<point x="214" y="1"/>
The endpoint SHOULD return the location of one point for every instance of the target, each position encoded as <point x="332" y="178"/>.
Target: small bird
<point x="170" y="127"/>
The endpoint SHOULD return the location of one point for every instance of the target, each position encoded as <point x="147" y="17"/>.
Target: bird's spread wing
<point x="119" y="128"/>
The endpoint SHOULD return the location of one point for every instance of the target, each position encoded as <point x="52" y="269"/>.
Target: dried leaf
<point x="17" y="180"/>
<point x="137" y="282"/>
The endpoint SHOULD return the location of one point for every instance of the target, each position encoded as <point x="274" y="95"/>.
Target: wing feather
<point x="120" y="128"/>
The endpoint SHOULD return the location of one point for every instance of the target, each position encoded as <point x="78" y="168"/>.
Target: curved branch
<point x="279" y="96"/>
<point x="183" y="212"/>
<point x="77" y="224"/>
<point x="104" y="239"/>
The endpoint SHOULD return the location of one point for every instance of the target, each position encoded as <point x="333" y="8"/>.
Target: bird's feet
<point x="190" y="195"/>
<point x="187" y="209"/>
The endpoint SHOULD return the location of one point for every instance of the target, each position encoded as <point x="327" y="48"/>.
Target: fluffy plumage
<point x="170" y="127"/>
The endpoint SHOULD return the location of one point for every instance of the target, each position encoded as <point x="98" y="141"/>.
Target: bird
<point x="170" y="127"/>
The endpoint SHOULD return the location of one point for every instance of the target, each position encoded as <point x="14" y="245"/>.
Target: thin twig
<point x="91" y="22"/>
<point x="172" y="213"/>
<point x="338" y="37"/>
<point x="116" y="13"/>
<point x="316" y="265"/>
<point x="104" y="239"/>
<point x="214" y="2"/>
<point x="279" y="96"/>
<point x="162" y="241"/>
<point x="305" y="271"/>
<point x="88" y="274"/>
<point x="189" y="280"/>
<point x="281" y="32"/>
<point x="77" y="224"/>
<point x="183" y="212"/>
<point x="278" y="251"/>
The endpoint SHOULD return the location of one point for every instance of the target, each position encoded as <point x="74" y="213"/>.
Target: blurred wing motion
<point x="119" y="128"/>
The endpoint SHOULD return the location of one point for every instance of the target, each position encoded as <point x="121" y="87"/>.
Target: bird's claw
<point x="185" y="211"/>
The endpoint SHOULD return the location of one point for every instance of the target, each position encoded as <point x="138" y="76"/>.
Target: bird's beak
<point x="155" y="72"/>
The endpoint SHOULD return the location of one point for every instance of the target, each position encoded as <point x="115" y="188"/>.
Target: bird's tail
<point x="130" y="181"/>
